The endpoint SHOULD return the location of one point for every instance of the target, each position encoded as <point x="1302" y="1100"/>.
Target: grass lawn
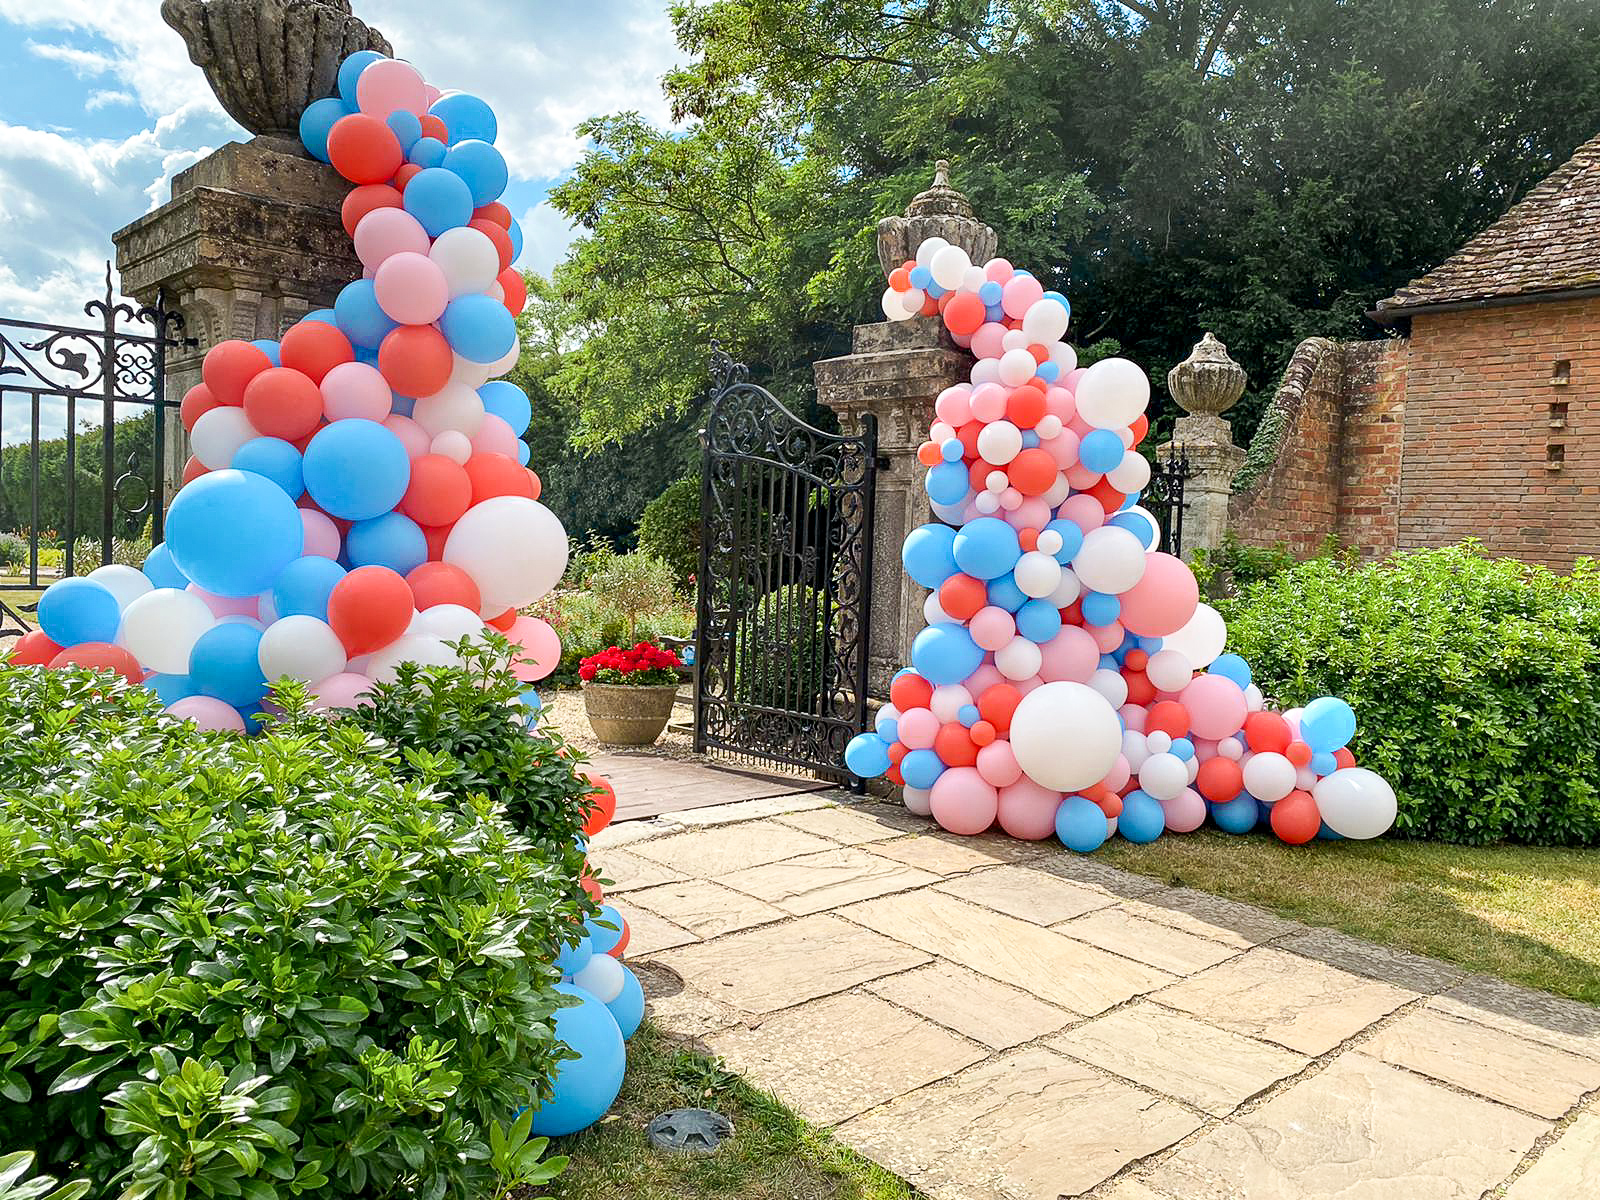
<point x="1523" y="913"/>
<point x="773" y="1154"/>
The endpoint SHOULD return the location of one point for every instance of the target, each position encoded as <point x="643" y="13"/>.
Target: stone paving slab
<point x="855" y="825"/>
<point x="816" y="882"/>
<point x="1569" y="1167"/>
<point x="951" y="855"/>
<point x="996" y="1014"/>
<point x="800" y="797"/>
<point x="721" y="850"/>
<point x="627" y="871"/>
<point x="1164" y="946"/>
<point x="1179" y="1056"/>
<point x="1295" y="1002"/>
<point x="1031" y="1125"/>
<point x="648" y="933"/>
<point x="1360" y="1130"/>
<point x="1028" y="893"/>
<point x="1537" y="1016"/>
<point x="835" y="1058"/>
<point x="687" y="1013"/>
<point x="704" y="908"/>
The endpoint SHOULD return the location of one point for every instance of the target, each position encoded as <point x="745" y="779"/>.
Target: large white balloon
<point x="999" y="442"/>
<point x="449" y="623"/>
<point x="1169" y="669"/>
<point x="1164" y="775"/>
<point x="1269" y="777"/>
<point x="1065" y="736"/>
<point x="218" y="434"/>
<point x="1045" y="321"/>
<point x="1111" y="560"/>
<point x="514" y="548"/>
<point x="949" y="266"/>
<point x="300" y="647"/>
<point x="425" y="651"/>
<point x="1037" y="575"/>
<point x="1202" y="639"/>
<point x="602" y="978"/>
<point x="127" y="584"/>
<point x="930" y="247"/>
<point x="1018" y="659"/>
<point x="1356" y="802"/>
<point x="1112" y="393"/>
<point x="457" y="408"/>
<point x="161" y="627"/>
<point x="1131" y="474"/>
<point x="468" y="259"/>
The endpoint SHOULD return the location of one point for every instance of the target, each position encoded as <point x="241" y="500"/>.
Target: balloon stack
<point x="1070" y="680"/>
<point x="358" y="494"/>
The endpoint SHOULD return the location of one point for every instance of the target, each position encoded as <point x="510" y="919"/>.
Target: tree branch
<point x="1214" y="42"/>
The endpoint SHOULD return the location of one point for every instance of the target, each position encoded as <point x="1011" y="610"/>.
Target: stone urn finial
<point x="940" y="211"/>
<point x="267" y="59"/>
<point x="1205" y="385"/>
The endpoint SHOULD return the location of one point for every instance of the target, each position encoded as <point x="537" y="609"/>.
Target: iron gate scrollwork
<point x="784" y="580"/>
<point x="1163" y="498"/>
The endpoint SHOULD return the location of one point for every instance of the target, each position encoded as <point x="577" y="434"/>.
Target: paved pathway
<point x="1001" y="1020"/>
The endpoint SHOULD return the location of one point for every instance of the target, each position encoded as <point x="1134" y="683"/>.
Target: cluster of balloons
<point x="358" y="494"/>
<point x="1070" y="681"/>
<point x="609" y="1008"/>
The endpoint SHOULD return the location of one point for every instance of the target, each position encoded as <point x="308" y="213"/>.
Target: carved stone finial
<point x="940" y="211"/>
<point x="267" y="59"/>
<point x="1208" y="382"/>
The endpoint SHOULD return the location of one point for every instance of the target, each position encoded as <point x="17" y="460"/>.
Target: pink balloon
<point x="962" y="802"/>
<point x="1082" y="478"/>
<point x="1071" y="381"/>
<point x="322" y="535"/>
<point x="540" y="646"/>
<point x="997" y="763"/>
<point x="1216" y="706"/>
<point x="954" y="406"/>
<point x="412" y="436"/>
<point x="1071" y="656"/>
<point x="1186" y="813"/>
<point x="344" y="690"/>
<point x="1163" y="601"/>
<point x="356" y="391"/>
<point x="228" y="606"/>
<point x="384" y="232"/>
<point x="992" y="627"/>
<point x="432" y="93"/>
<point x="494" y="436"/>
<point x="1028" y="811"/>
<point x="1032" y="513"/>
<point x="411" y="288"/>
<point x="1083" y="511"/>
<point x="1117" y="778"/>
<point x="988" y="402"/>
<point x="986" y="343"/>
<point x="918" y="727"/>
<point x="1204" y="748"/>
<point x="209" y="713"/>
<point x="390" y="85"/>
<point x="1106" y="637"/>
<point x="1064" y="449"/>
<point x="1024" y="686"/>
<point x="1021" y="292"/>
<point x="1060" y="402"/>
<point x="1134" y="716"/>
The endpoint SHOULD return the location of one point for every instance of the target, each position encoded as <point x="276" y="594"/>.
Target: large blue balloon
<point x="171" y="688"/>
<point x="583" y="1088"/>
<point x="393" y="540"/>
<point x="439" y="200"/>
<point x="945" y="653"/>
<point x="572" y="959"/>
<point x="947" y="483"/>
<point x="605" y="930"/>
<point x="478" y="327"/>
<point x="928" y="554"/>
<point x="350" y="72"/>
<point x="224" y="664"/>
<point x="1071" y="539"/>
<point x="303" y="587"/>
<point x="987" y="548"/>
<point x="1231" y="666"/>
<point x="162" y="571"/>
<point x="1142" y="819"/>
<point x="466" y="117"/>
<point x="1038" y="620"/>
<point x="921" y="768"/>
<point x="1327" y="724"/>
<point x="1080" y="824"/>
<point x="481" y="166"/>
<point x="271" y="349"/>
<point x="1238" y="815"/>
<point x="231" y="532"/>
<point x="867" y="755"/>
<point x="508" y="402"/>
<point x="354" y="469"/>
<point x="1100" y="450"/>
<point x="274" y="458"/>
<point x="1099" y="608"/>
<point x="361" y="318"/>
<point x="316" y="122"/>
<point x="75" y="611"/>
<point x="628" y="1007"/>
<point x="1003" y="592"/>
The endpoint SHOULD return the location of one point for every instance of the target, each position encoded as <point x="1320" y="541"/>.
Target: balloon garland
<point x="1070" y="681"/>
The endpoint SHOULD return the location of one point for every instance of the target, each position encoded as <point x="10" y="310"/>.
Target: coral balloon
<point x="282" y="402"/>
<point x="439" y="492"/>
<point x="100" y="656"/>
<point x="436" y="583"/>
<point x="363" y="149"/>
<point x="314" y="348"/>
<point x="370" y="608"/>
<point x="415" y="360"/>
<point x="1295" y="818"/>
<point x="603" y="800"/>
<point x="229" y="366"/>
<point x="492" y="475"/>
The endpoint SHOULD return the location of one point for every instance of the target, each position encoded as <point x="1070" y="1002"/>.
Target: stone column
<point x="1205" y="385"/>
<point x="895" y="371"/>
<point x="251" y="239"/>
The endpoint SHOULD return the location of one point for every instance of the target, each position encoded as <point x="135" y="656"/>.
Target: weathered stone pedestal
<point x="1205" y="385"/>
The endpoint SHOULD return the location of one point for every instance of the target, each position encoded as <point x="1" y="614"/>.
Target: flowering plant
<point x="641" y="665"/>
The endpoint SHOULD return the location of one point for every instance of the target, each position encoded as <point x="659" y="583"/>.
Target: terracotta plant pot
<point x="624" y="715"/>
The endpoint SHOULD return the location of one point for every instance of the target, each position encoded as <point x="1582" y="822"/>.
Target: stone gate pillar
<point x="1205" y="385"/>
<point x="896" y="370"/>
<point x="251" y="239"/>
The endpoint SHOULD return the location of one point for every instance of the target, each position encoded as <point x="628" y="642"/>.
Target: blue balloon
<point x="508" y="402"/>
<point x="1238" y="815"/>
<point x="231" y="532"/>
<point x="274" y="458"/>
<point x="1049" y="372"/>
<point x="224" y="664"/>
<point x="481" y="166"/>
<point x="1100" y="609"/>
<point x="74" y="611"/>
<point x="1003" y="592"/>
<point x="571" y="959"/>
<point x="355" y="469"/>
<point x="1231" y="666"/>
<point x="360" y="317"/>
<point x="1081" y="825"/>
<point x="524" y="455"/>
<point x="1327" y="724"/>
<point x="921" y="768"/>
<point x="1038" y="620"/>
<point x="945" y="653"/>
<point x="270" y="348"/>
<point x="439" y="200"/>
<point x="478" y="327"/>
<point x="987" y="548"/>
<point x="406" y="127"/>
<point x="928" y="554"/>
<point x="303" y="587"/>
<point x="350" y="71"/>
<point x="885" y="719"/>
<point x="1138" y="524"/>
<point x="1329" y="835"/>
<point x="628" y="1007"/>
<point x="1142" y="818"/>
<point x="516" y="239"/>
<point x="171" y="688"/>
<point x="969" y="715"/>
<point x="867" y="755"/>
<point x="427" y="152"/>
<point x="1324" y="763"/>
<point x="316" y="122"/>
<point x="952" y="450"/>
<point x="393" y="540"/>
<point x="325" y="316"/>
<point x="947" y="483"/>
<point x="1100" y="450"/>
<point x="921" y="277"/>
<point x="935" y="290"/>
<point x="582" y="1088"/>
<point x="402" y="406"/>
<point x="1071" y="539"/>
<point x="990" y="293"/>
<point x="162" y="571"/>
<point x="601" y="939"/>
<point x="466" y="117"/>
<point x="1182" y="748"/>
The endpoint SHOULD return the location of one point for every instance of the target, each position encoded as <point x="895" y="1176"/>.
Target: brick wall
<point x="1376" y="375"/>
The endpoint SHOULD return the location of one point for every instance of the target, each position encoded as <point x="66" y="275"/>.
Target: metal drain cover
<point x="689" y="1131"/>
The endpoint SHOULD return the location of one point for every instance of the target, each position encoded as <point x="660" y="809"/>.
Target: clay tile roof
<point x="1548" y="242"/>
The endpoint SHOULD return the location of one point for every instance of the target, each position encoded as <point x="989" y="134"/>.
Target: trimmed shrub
<point x="778" y="663"/>
<point x="307" y="962"/>
<point x="1476" y="682"/>
<point x="669" y="528"/>
<point x="13" y="554"/>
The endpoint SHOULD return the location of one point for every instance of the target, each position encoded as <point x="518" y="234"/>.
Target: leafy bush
<point x="299" y="963"/>
<point x="781" y="641"/>
<point x="1233" y="566"/>
<point x="13" y="554"/>
<point x="1476" y="682"/>
<point x="127" y="552"/>
<point x="635" y="586"/>
<point x="669" y="528"/>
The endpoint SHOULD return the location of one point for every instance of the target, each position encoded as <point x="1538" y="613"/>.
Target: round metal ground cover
<point x="689" y="1131"/>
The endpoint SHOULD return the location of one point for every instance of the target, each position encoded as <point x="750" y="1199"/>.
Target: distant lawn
<point x="1527" y="914"/>
<point x="773" y="1154"/>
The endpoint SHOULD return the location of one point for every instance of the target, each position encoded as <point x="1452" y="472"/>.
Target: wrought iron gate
<point x="72" y="509"/>
<point x="1163" y="498"/>
<point x="784" y="581"/>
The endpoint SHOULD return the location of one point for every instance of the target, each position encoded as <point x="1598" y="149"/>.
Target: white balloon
<point x="1202" y="639"/>
<point x="973" y="278"/>
<point x="932" y="611"/>
<point x="218" y="434"/>
<point x="1170" y="670"/>
<point x="912" y="300"/>
<point x="948" y="700"/>
<point x="892" y="308"/>
<point x="985" y="370"/>
<point x="449" y="623"/>
<point x="161" y="627"/>
<point x="1065" y="736"/>
<point x="468" y="373"/>
<point x="1037" y="574"/>
<point x="266" y="607"/>
<point x="986" y="503"/>
<point x="300" y="647"/>
<point x="1045" y="321"/>
<point x="1158" y="742"/>
<point x="1230" y="748"/>
<point x="457" y="407"/>
<point x="454" y="445"/>
<point x="928" y="249"/>
<point x="1017" y="367"/>
<point x="1305" y="778"/>
<point x="127" y="584"/>
<point x="1112" y="393"/>
<point x="1134" y="749"/>
<point x="1111" y="685"/>
<point x="383" y="665"/>
<point x="1269" y="777"/>
<point x="917" y="800"/>
<point x="1015" y="339"/>
<point x="1164" y="776"/>
<point x="507" y="360"/>
<point x="1356" y="802"/>
<point x="468" y="259"/>
<point x="601" y="977"/>
<point x="1131" y="474"/>
<point x="1254" y="701"/>
<point x="1018" y="659"/>
<point x="1068" y="590"/>
<point x="949" y="267"/>
<point x="1065" y="357"/>
<point x="999" y="442"/>
<point x="514" y="548"/>
<point x="1111" y="560"/>
<point x="1059" y="490"/>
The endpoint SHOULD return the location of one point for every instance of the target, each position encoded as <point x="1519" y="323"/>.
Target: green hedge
<point x="303" y="963"/>
<point x="779" y="649"/>
<point x="1476" y="682"/>
<point x="669" y="527"/>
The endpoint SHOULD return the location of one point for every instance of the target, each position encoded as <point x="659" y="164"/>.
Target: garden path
<point x="649" y="785"/>
<point x="1003" y="1020"/>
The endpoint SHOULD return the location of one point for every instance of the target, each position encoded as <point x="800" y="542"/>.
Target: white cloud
<point x="103" y="99"/>
<point x="546" y="234"/>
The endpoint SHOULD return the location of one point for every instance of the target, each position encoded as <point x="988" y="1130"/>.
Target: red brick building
<point x="1481" y="419"/>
